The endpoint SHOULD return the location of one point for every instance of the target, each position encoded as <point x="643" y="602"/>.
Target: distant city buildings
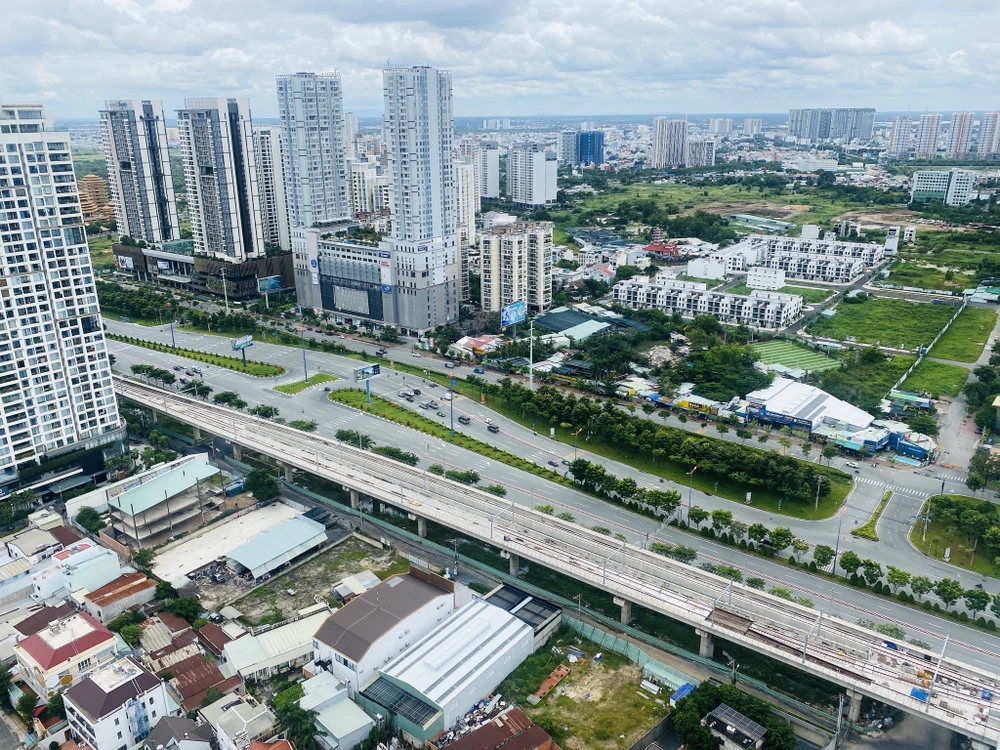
<point x="134" y="135"/>
<point x="960" y="139"/>
<point x="466" y="210"/>
<point x="925" y="145"/>
<point x="566" y="147"/>
<point x="901" y="136"/>
<point x="488" y="169"/>
<point x="531" y="174"/>
<point x="720" y="125"/>
<point x="953" y="188"/>
<point x="700" y="152"/>
<point x="669" y="147"/>
<point x="753" y="126"/>
<point x="496" y="123"/>
<point x="846" y="124"/>
<point x="516" y="262"/>
<point x="989" y="135"/>
<point x="590" y="147"/>
<point x="220" y="169"/>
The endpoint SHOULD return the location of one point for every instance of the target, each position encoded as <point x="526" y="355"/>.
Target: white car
<point x="852" y="464"/>
<point x="488" y="421"/>
<point x="414" y="354"/>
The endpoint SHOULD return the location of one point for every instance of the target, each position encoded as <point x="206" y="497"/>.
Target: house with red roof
<point x="63" y="653"/>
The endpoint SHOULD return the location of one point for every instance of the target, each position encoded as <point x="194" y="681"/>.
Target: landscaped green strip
<point x="936" y="378"/>
<point x="381" y="407"/>
<point x="257" y="369"/>
<point x="809" y="295"/>
<point x="868" y="530"/>
<point x="943" y="534"/>
<point x="965" y="339"/>
<point x="300" y="385"/>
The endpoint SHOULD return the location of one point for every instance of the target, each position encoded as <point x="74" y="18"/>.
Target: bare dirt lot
<point x="889" y="217"/>
<point x="769" y="209"/>
<point x="284" y="595"/>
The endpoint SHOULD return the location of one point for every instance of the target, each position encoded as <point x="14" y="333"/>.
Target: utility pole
<point x="305" y="367"/>
<point x="691" y="490"/>
<point x="819" y="483"/>
<point x="531" y="354"/>
<point x="173" y="343"/>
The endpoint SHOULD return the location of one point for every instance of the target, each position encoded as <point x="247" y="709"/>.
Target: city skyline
<point x="520" y="59"/>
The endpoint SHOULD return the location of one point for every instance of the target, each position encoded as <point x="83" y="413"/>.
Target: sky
<point x="513" y="57"/>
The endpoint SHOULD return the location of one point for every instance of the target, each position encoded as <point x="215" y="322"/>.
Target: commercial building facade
<point x="220" y="170"/>
<point x="55" y="376"/>
<point x="134" y="135"/>
<point x="953" y="188"/>
<point x="516" y="266"/>
<point x="761" y="309"/>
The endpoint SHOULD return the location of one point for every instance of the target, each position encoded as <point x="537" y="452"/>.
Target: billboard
<point x="163" y="265"/>
<point x="513" y="313"/>
<point x="242" y="343"/>
<point x="124" y="262"/>
<point x="367" y="373"/>
<point x="268" y="284"/>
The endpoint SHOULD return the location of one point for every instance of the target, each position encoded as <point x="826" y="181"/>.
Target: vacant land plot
<point x="965" y="339"/>
<point x="922" y="276"/>
<point x="284" y="595"/>
<point x="100" y="252"/>
<point x="809" y="295"/>
<point x="936" y="379"/>
<point x="887" y="322"/>
<point x="217" y="540"/>
<point x="791" y="355"/>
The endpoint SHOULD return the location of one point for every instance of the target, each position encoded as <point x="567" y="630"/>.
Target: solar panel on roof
<point x="399" y="702"/>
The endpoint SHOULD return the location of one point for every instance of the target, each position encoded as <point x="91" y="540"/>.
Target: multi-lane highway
<point x="822" y="644"/>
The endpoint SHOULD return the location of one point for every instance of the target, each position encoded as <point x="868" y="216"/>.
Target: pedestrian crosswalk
<point x="894" y="487"/>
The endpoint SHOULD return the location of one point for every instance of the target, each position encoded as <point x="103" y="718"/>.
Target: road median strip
<point x="298" y="386"/>
<point x="253" y="368"/>
<point x="869" y="529"/>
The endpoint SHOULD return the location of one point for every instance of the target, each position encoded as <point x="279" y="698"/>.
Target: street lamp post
<point x="173" y="343"/>
<point x="576" y="441"/>
<point x="305" y="367"/>
<point x="836" y="550"/>
<point x="691" y="490"/>
<point x="819" y="483"/>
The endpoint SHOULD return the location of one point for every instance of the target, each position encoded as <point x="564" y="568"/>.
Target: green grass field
<point x="929" y="277"/>
<point x="964" y="341"/>
<point x="888" y="322"/>
<point x="299" y="385"/>
<point x="100" y="252"/>
<point x="937" y="379"/>
<point x="791" y="355"/>
<point x="941" y="537"/>
<point x="809" y="295"/>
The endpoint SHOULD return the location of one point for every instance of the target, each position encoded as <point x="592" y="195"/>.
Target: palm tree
<point x="299" y="726"/>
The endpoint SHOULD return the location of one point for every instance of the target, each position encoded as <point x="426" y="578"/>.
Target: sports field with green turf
<point x="791" y="355"/>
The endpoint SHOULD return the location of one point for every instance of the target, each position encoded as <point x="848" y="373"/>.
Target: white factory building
<point x="761" y="309"/>
<point x="800" y="405"/>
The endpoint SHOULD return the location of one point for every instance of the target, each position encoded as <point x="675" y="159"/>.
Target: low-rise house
<point x="112" y="599"/>
<point x="340" y="723"/>
<point x="239" y="721"/>
<point x="33" y="545"/>
<point x="64" y="653"/>
<point x="179" y="733"/>
<point x="116" y="706"/>
<point x="213" y="637"/>
<point x="194" y="677"/>
<point x="266" y="651"/>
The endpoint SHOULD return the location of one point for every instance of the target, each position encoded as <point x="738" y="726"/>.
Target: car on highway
<point x="449" y="365"/>
<point x="493" y="428"/>
<point x="414" y="354"/>
<point x="381" y="352"/>
<point x="425" y="405"/>
<point x="440" y="413"/>
<point x="553" y="463"/>
<point x="488" y="420"/>
<point x="566" y="462"/>
<point x="433" y="404"/>
<point x="480" y="370"/>
<point x="177" y="368"/>
<point x="464" y="419"/>
<point x="416" y="391"/>
<point x="852" y="465"/>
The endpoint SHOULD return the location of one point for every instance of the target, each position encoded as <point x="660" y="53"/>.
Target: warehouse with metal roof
<point x="261" y="654"/>
<point x="275" y="547"/>
<point x="453" y="667"/>
<point x="805" y="406"/>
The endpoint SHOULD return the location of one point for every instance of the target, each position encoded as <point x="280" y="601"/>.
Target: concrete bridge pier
<point x="156" y="417"/>
<point x="421" y="526"/>
<point x="288" y="472"/>
<point x="626" y="611"/>
<point x="355" y="499"/>
<point x="197" y="435"/>
<point x="854" y="709"/>
<point x="237" y="452"/>
<point x="706" y="649"/>
<point x="515" y="565"/>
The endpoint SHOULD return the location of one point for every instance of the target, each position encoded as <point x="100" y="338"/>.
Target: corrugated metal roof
<point x="263" y="548"/>
<point x="144" y="496"/>
<point x="249" y="651"/>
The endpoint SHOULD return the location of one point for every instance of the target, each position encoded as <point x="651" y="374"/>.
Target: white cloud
<point x="513" y="56"/>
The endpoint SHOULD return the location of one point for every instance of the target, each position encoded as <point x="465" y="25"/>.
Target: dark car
<point x="493" y="428"/>
<point x="464" y="420"/>
<point x="416" y="391"/>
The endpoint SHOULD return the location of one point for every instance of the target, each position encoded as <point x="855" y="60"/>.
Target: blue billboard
<point x="268" y="284"/>
<point x="513" y="313"/>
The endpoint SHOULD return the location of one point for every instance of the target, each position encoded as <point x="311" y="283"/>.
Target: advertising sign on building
<point x="124" y="262"/>
<point x="513" y="313"/>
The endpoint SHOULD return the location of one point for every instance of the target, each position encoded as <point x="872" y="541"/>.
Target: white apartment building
<point x="831" y="261"/>
<point x="116" y="707"/>
<point x="989" y="135"/>
<point x="960" y="137"/>
<point x="134" y="135"/>
<point x="314" y="133"/>
<point x="753" y="126"/>
<point x="419" y="134"/>
<point x="762" y="277"/>
<point x="466" y="210"/>
<point x="364" y="173"/>
<point x="220" y="169"/>
<point x="669" y="143"/>
<point x="700" y="152"/>
<point x="927" y="135"/>
<point x="271" y="179"/>
<point x="810" y="267"/>
<point x="528" y="180"/>
<point x="516" y="264"/>
<point x="566" y="147"/>
<point x="55" y="378"/>
<point x="350" y="134"/>
<point x="901" y="135"/>
<point x="953" y="187"/>
<point x="488" y="169"/>
<point x="758" y="310"/>
<point x="720" y="125"/>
